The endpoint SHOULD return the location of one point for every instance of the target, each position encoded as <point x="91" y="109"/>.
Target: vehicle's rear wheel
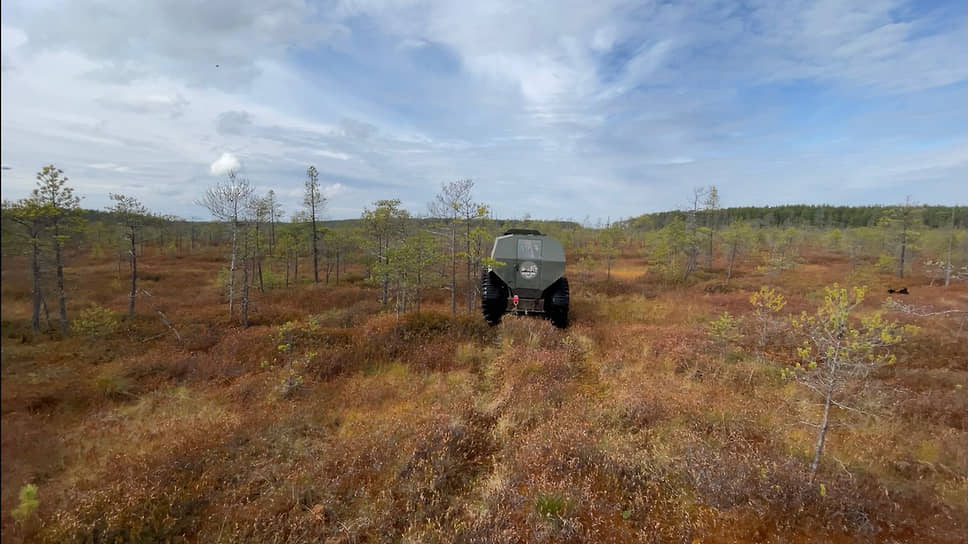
<point x="556" y="303"/>
<point x="494" y="297"/>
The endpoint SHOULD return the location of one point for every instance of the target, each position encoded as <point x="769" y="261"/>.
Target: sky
<point x="555" y="109"/>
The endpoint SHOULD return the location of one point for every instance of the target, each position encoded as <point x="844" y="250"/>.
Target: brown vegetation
<point x="329" y="420"/>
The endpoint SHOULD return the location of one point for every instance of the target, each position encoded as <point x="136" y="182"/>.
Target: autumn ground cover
<point x="328" y="420"/>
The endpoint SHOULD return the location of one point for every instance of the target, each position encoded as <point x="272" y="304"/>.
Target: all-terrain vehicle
<point x="528" y="278"/>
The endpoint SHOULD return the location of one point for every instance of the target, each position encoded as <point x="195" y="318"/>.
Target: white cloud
<point x="11" y="37"/>
<point x="109" y="166"/>
<point x="332" y="154"/>
<point x="411" y="43"/>
<point x="173" y="104"/>
<point x="643" y="99"/>
<point x="233" y="122"/>
<point x="224" y="164"/>
<point x="334" y="190"/>
<point x="671" y="161"/>
<point x="604" y="38"/>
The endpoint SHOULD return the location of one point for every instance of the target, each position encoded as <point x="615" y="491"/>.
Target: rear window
<point x="529" y="249"/>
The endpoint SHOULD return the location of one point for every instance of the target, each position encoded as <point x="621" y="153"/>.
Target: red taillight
<point x="515" y="300"/>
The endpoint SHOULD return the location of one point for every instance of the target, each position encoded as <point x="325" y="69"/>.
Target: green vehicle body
<point x="527" y="277"/>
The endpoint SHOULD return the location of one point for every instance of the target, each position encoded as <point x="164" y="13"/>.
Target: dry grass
<point x="628" y="426"/>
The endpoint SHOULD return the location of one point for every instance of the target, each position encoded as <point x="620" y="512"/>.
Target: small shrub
<point x="551" y="505"/>
<point x="97" y="252"/>
<point x="767" y="303"/>
<point x="886" y="264"/>
<point x="28" y="503"/>
<point x="723" y="331"/>
<point x="290" y="384"/>
<point x="424" y="326"/>
<point x="471" y="355"/>
<point x="115" y="386"/>
<point x="95" y="322"/>
<point x="780" y="252"/>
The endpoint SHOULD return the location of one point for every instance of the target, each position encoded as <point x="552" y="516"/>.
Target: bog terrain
<point x="331" y="418"/>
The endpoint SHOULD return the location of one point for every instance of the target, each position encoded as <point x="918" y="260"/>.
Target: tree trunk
<point x="947" y="264"/>
<point x="37" y="295"/>
<point x="235" y="250"/>
<point x="272" y="234"/>
<point x="246" y="278"/>
<point x="315" y="249"/>
<point x="244" y="306"/>
<point x="287" y="271"/>
<point x="453" y="268"/>
<point x="43" y="302"/>
<point x="61" y="294"/>
<point x="385" y="281"/>
<point x="709" y="251"/>
<point x="337" y="265"/>
<point x="732" y="259"/>
<point x="134" y="276"/>
<point x="822" y="435"/>
<point x="691" y="255"/>
<point x="469" y="286"/>
<point x="900" y="263"/>
<point x="418" y="294"/>
<point x="258" y="258"/>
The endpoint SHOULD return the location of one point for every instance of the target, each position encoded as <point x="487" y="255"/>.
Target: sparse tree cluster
<point x="409" y="257"/>
<point x="48" y="219"/>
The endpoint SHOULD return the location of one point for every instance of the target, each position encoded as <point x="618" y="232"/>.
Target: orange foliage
<point x="628" y="426"/>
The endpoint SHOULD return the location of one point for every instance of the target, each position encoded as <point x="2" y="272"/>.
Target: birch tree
<point x="227" y="202"/>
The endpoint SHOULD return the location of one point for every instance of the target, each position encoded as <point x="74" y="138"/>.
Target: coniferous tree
<point x="132" y="217"/>
<point x="60" y="210"/>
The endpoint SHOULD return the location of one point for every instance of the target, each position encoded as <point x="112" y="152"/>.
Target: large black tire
<point x="494" y="297"/>
<point x="556" y="303"/>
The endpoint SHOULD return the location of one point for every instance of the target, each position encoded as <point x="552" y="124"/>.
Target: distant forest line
<point x="803" y="215"/>
<point x="792" y="215"/>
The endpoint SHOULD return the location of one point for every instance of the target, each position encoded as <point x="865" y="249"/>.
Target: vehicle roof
<point x="531" y="232"/>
